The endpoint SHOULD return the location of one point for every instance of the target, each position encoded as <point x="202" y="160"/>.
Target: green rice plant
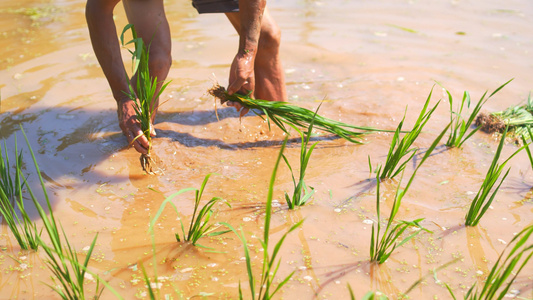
<point x="148" y="283"/>
<point x="527" y="146"/>
<point x="62" y="257"/>
<point x="8" y="181"/>
<point x="145" y="94"/>
<point x="458" y="130"/>
<point x="285" y="113"/>
<point x="401" y="148"/>
<point x="270" y="267"/>
<point x="369" y="295"/>
<point x="302" y="193"/>
<point x="23" y="228"/>
<point x="199" y="226"/>
<point x="382" y="244"/>
<point x="505" y="270"/>
<point x="484" y="197"/>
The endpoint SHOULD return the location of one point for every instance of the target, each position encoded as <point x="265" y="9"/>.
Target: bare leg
<point x="269" y="76"/>
<point x="152" y="26"/>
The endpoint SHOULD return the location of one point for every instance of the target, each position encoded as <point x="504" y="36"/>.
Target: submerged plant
<point x="285" y="113"/>
<point x="368" y="295"/>
<point x="302" y="193"/>
<point x="527" y="146"/>
<point x="199" y="226"/>
<point x="23" y="228"/>
<point x="458" y="130"/>
<point x="382" y="244"/>
<point x="62" y="258"/>
<point x="266" y="285"/>
<point x="484" y="197"/>
<point x="144" y="94"/>
<point x="505" y="270"/>
<point x="401" y="148"/>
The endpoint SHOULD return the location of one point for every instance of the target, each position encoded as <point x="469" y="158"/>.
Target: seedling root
<point x="147" y="163"/>
<point x="490" y="123"/>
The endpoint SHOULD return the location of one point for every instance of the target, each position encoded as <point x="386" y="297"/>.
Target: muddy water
<point x="369" y="60"/>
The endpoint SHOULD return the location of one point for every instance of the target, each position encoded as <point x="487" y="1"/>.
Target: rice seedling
<point x="62" y="257"/>
<point x="145" y="93"/>
<point x="484" y="197"/>
<point x="530" y="133"/>
<point x="199" y="226"/>
<point x="302" y="193"/>
<point x="401" y="148"/>
<point x="23" y="228"/>
<point x="285" y="113"/>
<point x="148" y="283"/>
<point x="270" y="267"/>
<point x="458" y="130"/>
<point x="369" y="295"/>
<point x="383" y="244"/>
<point x="505" y="270"/>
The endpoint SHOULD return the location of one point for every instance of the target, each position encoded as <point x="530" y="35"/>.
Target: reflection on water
<point x="366" y="60"/>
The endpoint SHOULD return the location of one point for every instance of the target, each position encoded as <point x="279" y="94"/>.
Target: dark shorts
<point x="216" y="6"/>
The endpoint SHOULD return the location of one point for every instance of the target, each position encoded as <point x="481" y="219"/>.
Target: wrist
<point x="120" y="99"/>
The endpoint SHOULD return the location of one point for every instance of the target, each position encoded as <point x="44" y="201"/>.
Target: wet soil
<point x="368" y="61"/>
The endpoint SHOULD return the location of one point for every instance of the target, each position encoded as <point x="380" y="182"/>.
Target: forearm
<point x="251" y="13"/>
<point x="102" y="30"/>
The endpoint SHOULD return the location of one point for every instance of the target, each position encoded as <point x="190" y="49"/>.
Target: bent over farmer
<point x="256" y="66"/>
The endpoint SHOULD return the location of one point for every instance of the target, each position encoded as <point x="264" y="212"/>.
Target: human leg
<point x="268" y="70"/>
<point x="149" y="19"/>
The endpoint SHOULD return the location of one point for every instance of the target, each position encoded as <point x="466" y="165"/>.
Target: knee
<point x="270" y="38"/>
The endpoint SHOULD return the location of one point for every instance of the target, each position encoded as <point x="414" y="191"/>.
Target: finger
<point x="139" y="148"/>
<point x="244" y="112"/>
<point x="236" y="85"/>
<point x="248" y="86"/>
<point x="139" y="141"/>
<point x="237" y="105"/>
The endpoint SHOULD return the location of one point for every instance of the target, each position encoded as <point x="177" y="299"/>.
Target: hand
<point x="127" y="120"/>
<point x="241" y="78"/>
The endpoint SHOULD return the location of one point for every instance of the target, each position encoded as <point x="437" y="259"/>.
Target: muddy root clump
<point x="147" y="163"/>
<point x="218" y="92"/>
<point x="490" y="123"/>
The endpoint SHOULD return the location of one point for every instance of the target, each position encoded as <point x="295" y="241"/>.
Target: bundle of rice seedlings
<point x="518" y="117"/>
<point x="145" y="94"/>
<point x="285" y="113"/>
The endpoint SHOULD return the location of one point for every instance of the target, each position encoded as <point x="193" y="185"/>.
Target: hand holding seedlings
<point x="131" y="127"/>
<point x="256" y="66"/>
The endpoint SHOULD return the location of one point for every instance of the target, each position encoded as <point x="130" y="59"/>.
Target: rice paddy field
<point x="367" y="62"/>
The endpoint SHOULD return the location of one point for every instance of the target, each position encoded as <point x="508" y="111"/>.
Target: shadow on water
<point x="81" y="139"/>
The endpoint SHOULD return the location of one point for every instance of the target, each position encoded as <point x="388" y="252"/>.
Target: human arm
<point x="242" y="68"/>
<point x="102" y="30"/>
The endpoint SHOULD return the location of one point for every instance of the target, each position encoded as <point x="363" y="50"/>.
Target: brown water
<point x="359" y="57"/>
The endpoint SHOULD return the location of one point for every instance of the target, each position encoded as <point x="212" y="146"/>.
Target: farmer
<point x="256" y="66"/>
